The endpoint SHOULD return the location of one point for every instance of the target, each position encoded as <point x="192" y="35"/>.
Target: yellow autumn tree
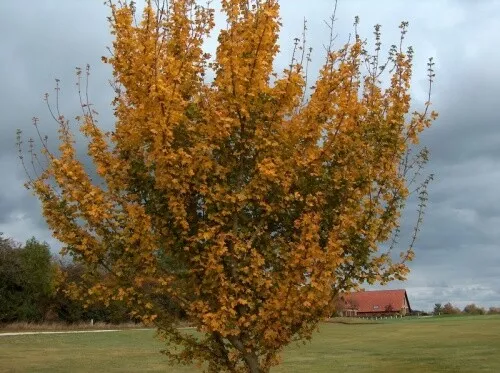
<point x="247" y="201"/>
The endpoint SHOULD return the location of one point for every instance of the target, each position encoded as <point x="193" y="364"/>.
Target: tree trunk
<point x="251" y="359"/>
<point x="252" y="362"/>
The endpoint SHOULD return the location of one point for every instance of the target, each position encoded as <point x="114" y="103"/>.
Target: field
<point x="444" y="344"/>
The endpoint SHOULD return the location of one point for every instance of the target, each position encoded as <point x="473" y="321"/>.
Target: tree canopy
<point x="26" y="280"/>
<point x="246" y="202"/>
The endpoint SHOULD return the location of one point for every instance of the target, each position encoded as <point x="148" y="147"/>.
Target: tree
<point x="11" y="283"/>
<point x="69" y="309"/>
<point x="26" y="280"/>
<point x="38" y="280"/>
<point x="438" y="309"/>
<point x="494" y="311"/>
<point x="72" y="309"/>
<point x="247" y="202"/>
<point x="472" y="309"/>
<point x="419" y="313"/>
<point x="450" y="309"/>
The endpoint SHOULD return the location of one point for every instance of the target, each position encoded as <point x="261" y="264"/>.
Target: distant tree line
<point x="31" y="289"/>
<point x="470" y="309"/>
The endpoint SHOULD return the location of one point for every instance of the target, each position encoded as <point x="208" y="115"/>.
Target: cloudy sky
<point x="458" y="251"/>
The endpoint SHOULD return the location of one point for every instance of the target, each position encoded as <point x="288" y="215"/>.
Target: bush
<point x="472" y="309"/>
<point x="449" y="309"/>
<point x="26" y="281"/>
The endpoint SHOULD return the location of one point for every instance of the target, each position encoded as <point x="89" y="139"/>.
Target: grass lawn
<point x="440" y="344"/>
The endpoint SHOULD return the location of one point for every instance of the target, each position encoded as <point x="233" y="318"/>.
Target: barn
<point x="375" y="303"/>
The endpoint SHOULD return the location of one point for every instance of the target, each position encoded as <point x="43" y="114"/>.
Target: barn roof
<point x="378" y="300"/>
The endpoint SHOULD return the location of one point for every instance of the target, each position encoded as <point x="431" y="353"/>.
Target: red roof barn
<point x="376" y="303"/>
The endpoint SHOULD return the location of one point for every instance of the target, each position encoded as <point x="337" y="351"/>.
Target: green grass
<point x="441" y="344"/>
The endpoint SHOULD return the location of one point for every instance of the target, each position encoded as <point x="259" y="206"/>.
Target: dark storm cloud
<point x="458" y="250"/>
<point x="41" y="42"/>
